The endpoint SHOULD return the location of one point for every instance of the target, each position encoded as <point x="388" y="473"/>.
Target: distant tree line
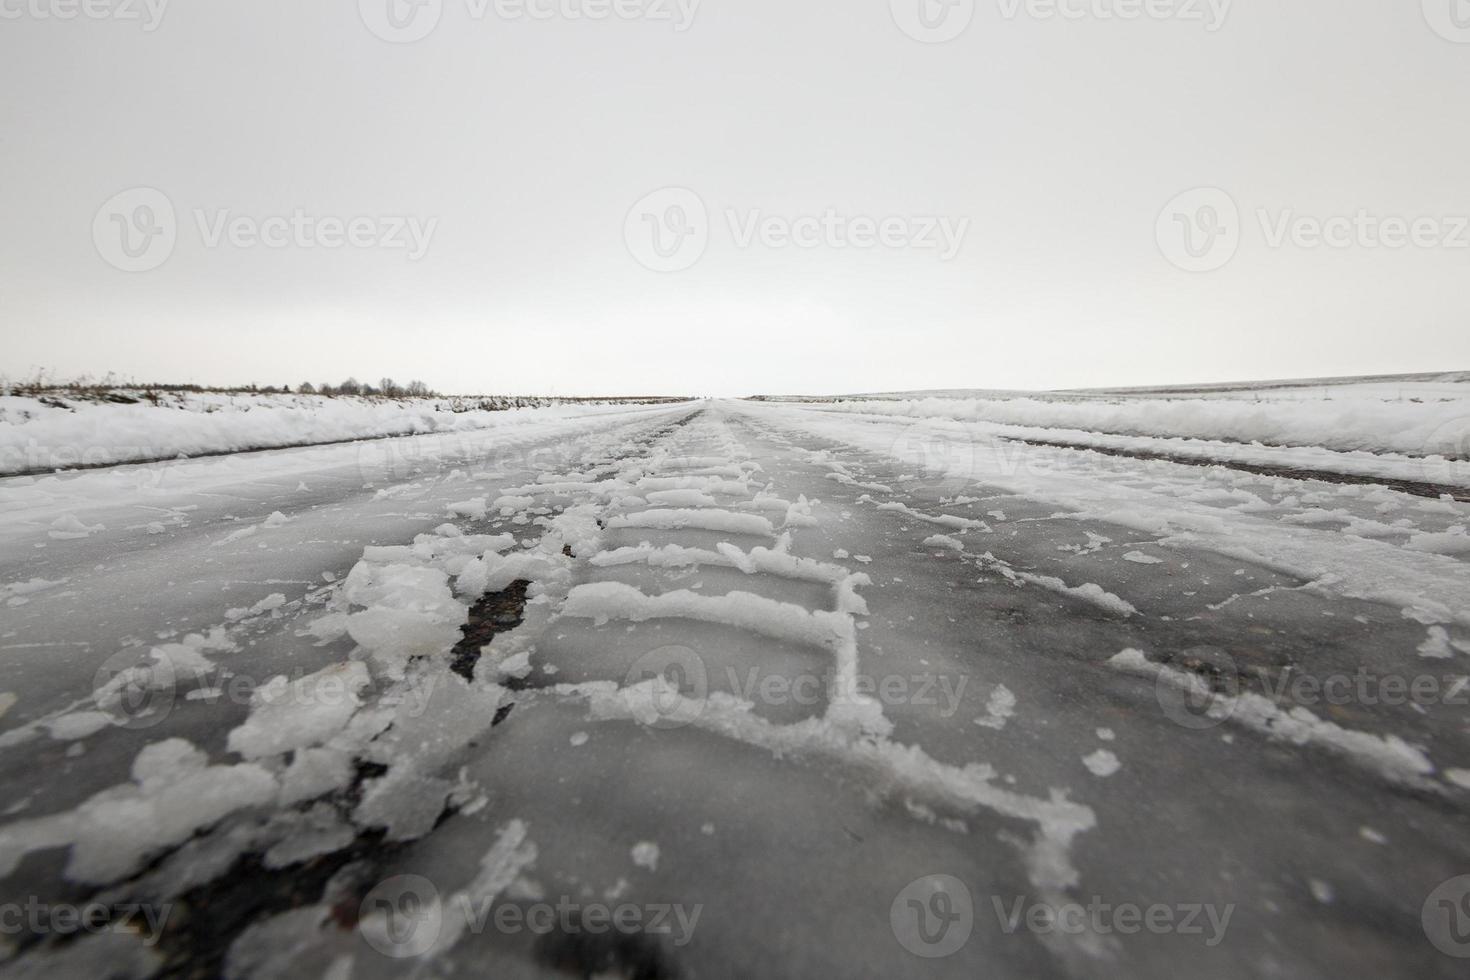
<point x="128" y="392"/>
<point x="386" y="388"/>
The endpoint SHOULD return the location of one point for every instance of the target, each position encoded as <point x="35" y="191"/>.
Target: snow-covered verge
<point x="953" y="439"/>
<point x="1416" y="419"/>
<point x="39" y="434"/>
<point x="395" y="705"/>
<point x="1414" y="564"/>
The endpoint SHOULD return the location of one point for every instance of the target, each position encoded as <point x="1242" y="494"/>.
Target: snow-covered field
<point x="56" y="431"/>
<point x="1413" y="430"/>
<point x="733" y="689"/>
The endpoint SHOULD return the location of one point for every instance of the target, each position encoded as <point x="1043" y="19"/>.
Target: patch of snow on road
<point x="999" y="710"/>
<point x="290" y="715"/>
<point x="1102" y="763"/>
<point x="69" y="527"/>
<point x="475" y="509"/>
<point x="1437" y="646"/>
<point x="174" y="793"/>
<point x="19" y="593"/>
<point x="726" y="521"/>
<point x="645" y="855"/>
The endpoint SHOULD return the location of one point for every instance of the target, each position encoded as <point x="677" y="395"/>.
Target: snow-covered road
<point x="732" y="689"/>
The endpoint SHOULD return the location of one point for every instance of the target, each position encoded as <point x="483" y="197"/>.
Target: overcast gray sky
<point x="734" y="196"/>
